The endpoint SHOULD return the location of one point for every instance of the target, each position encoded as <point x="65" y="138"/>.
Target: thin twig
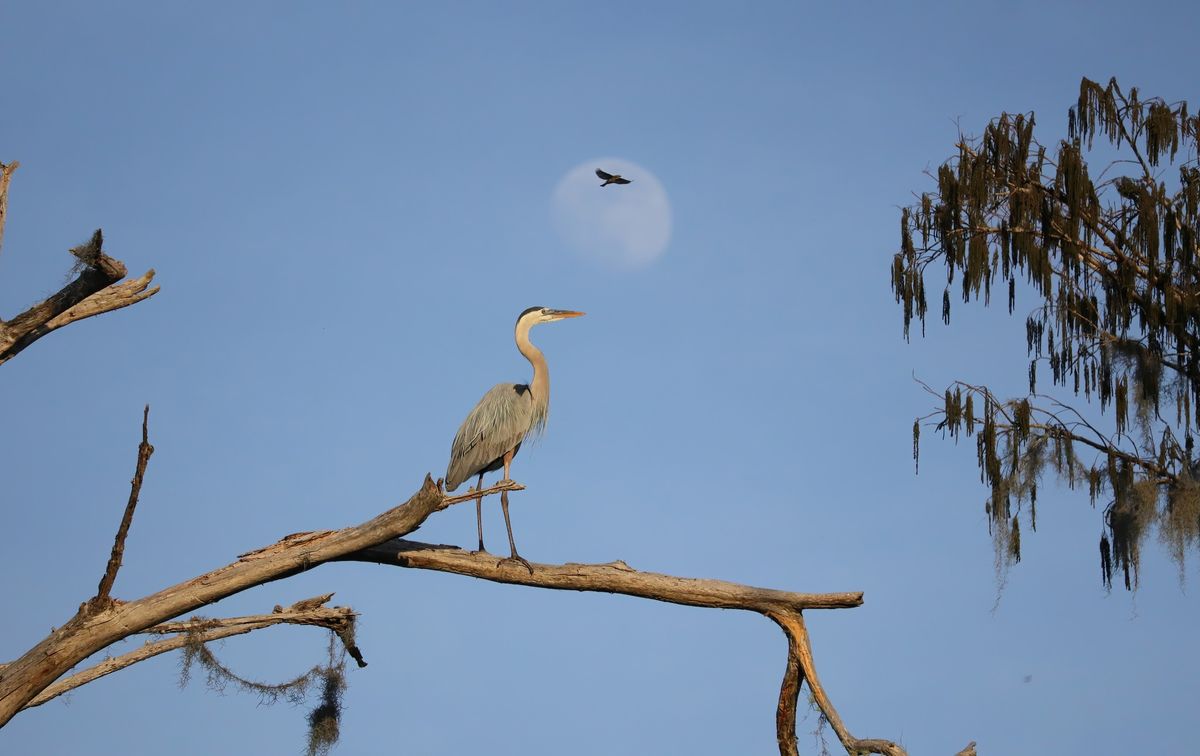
<point x="145" y="449"/>
<point x="1060" y="429"/>
<point x="1125" y="132"/>
<point x="471" y="495"/>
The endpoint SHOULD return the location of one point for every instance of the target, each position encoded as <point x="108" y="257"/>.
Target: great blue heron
<point x="611" y="178"/>
<point x="506" y="415"/>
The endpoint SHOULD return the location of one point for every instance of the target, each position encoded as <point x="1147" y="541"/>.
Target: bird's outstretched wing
<point x="603" y="175"/>
<point x="496" y="425"/>
<point x="620" y="180"/>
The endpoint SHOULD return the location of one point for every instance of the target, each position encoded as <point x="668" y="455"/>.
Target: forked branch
<point x="30" y="680"/>
<point x="94" y="291"/>
<point x="378" y="541"/>
<point x="783" y="607"/>
<point x="201" y="630"/>
<point x="801" y="669"/>
<point x="88" y="632"/>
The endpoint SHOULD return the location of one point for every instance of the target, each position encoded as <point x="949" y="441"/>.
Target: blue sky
<point x="347" y="207"/>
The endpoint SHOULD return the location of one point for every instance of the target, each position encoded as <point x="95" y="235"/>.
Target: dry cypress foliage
<point x="1111" y="256"/>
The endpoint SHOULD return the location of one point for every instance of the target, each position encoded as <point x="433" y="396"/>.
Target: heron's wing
<point x="496" y="425"/>
<point x="603" y="175"/>
<point x="619" y="180"/>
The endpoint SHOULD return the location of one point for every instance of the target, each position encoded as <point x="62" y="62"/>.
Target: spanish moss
<point x="323" y="720"/>
<point x="1110" y="253"/>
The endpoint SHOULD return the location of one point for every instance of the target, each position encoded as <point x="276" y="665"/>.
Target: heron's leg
<point x="479" y="513"/>
<point x="512" y="545"/>
<point x="515" y="557"/>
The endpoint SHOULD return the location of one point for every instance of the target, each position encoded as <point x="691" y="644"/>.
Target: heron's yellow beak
<point x="567" y="314"/>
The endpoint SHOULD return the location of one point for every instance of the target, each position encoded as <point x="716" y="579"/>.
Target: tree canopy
<point x="1110" y="249"/>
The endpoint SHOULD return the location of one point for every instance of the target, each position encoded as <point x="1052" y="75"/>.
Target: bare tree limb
<point x="31" y="679"/>
<point x="204" y="631"/>
<point x="782" y="607"/>
<point x="802" y="668"/>
<point x="93" y="292"/>
<point x="789" y="696"/>
<point x="111" y="298"/>
<point x="145" y="449"/>
<point x="89" y="632"/>
<point x="378" y="541"/>
<point x="34" y="678"/>
<point x="613" y="577"/>
<point x="6" y="172"/>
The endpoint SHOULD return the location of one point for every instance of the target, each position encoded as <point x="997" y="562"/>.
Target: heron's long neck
<point x="540" y="385"/>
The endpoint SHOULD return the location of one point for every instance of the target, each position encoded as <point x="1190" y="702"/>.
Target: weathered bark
<point x="800" y="669"/>
<point x="782" y="607"/>
<point x="94" y="292"/>
<point x="28" y="680"/>
<point x="95" y="289"/>
<point x="203" y="631"/>
<point x="91" y="631"/>
<point x="613" y="577"/>
<point x="6" y="172"/>
<point x="145" y="450"/>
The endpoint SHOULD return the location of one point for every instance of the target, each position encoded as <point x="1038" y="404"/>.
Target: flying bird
<point x="611" y="178"/>
<point x="507" y="414"/>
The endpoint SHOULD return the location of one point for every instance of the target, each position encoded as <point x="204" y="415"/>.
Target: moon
<point x="620" y="226"/>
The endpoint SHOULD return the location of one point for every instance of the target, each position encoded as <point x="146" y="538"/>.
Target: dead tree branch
<point x="800" y="669"/>
<point x="783" y="607"/>
<point x="145" y="449"/>
<point x="613" y="577"/>
<point x="379" y="541"/>
<point x="6" y="172"/>
<point x="31" y="679"/>
<point x="87" y="633"/>
<point x="204" y="631"/>
<point x="94" y="291"/>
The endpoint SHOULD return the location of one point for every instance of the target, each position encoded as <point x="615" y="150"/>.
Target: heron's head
<point x="538" y="315"/>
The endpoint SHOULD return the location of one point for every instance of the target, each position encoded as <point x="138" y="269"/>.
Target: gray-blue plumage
<point x="501" y="421"/>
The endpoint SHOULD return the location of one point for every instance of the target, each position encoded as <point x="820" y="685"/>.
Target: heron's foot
<point x="516" y="559"/>
<point x="480" y="550"/>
